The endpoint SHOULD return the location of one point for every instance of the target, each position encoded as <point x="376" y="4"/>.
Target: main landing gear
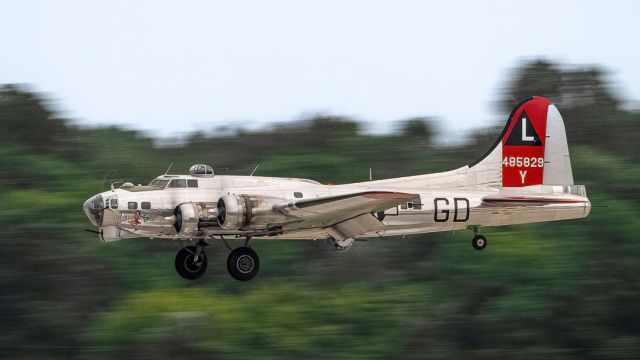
<point x="191" y="262"/>
<point x="243" y="263"/>
<point x="479" y="242"/>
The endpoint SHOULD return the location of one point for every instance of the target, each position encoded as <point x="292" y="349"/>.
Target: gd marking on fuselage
<point x="457" y="209"/>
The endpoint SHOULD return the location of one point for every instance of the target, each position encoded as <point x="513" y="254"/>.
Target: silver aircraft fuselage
<point x="149" y="211"/>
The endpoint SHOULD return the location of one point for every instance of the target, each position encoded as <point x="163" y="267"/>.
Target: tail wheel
<point x="243" y="264"/>
<point x="186" y="265"/>
<point x="479" y="242"/>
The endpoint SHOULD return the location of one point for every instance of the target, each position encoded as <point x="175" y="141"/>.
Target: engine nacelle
<point x="234" y="211"/>
<point x="248" y="212"/>
<point x="187" y="216"/>
<point x="191" y="217"/>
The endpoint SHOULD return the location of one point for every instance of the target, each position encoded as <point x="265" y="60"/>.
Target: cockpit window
<point x="114" y="203"/>
<point x="178" y="183"/>
<point x="159" y="183"/>
<point x="192" y="183"/>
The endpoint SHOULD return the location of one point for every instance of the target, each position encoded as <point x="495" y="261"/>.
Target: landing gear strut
<point x="191" y="262"/>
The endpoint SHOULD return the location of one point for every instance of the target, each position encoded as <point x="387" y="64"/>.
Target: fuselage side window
<point x="132" y="205"/>
<point x="192" y="183"/>
<point x="114" y="203"/>
<point x="145" y="205"/>
<point x="297" y="194"/>
<point x="178" y="183"/>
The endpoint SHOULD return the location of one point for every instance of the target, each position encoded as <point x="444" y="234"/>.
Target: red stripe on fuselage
<point x="518" y="199"/>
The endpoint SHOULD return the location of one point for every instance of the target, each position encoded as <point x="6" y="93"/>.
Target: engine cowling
<point x="187" y="216"/>
<point x="190" y="218"/>
<point x="248" y="212"/>
<point x="234" y="211"/>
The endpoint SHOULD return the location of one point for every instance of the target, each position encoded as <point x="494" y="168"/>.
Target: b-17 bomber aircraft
<point x="525" y="177"/>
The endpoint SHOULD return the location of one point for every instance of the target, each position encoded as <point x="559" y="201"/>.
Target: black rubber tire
<point x="184" y="263"/>
<point x="243" y="264"/>
<point x="479" y="242"/>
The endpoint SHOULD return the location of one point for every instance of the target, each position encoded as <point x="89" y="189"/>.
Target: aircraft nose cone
<point x="93" y="208"/>
<point x="87" y="207"/>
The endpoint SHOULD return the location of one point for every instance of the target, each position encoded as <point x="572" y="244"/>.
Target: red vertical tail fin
<point x="533" y="147"/>
<point x="524" y="143"/>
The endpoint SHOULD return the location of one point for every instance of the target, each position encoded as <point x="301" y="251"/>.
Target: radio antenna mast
<point x="169" y="168"/>
<point x="254" y="170"/>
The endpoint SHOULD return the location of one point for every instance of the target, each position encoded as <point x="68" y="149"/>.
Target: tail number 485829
<point x="519" y="161"/>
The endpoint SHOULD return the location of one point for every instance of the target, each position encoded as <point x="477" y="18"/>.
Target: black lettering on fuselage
<point x="436" y="218"/>
<point x="461" y="209"/>
<point x="456" y="210"/>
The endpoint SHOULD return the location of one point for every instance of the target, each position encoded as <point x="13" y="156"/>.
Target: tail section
<point x="532" y="148"/>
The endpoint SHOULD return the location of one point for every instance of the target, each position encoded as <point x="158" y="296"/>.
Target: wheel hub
<point x="245" y="264"/>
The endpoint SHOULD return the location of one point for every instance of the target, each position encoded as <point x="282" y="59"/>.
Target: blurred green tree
<point x="565" y="290"/>
<point x="27" y="120"/>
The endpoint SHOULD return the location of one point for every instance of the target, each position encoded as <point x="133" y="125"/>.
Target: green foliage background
<point x="555" y="290"/>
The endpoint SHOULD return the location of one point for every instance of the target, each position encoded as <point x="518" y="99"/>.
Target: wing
<point x="347" y="215"/>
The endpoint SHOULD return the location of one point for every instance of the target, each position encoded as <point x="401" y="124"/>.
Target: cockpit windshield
<point x="159" y="183"/>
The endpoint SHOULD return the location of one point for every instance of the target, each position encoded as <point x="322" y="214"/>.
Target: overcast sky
<point x="175" y="66"/>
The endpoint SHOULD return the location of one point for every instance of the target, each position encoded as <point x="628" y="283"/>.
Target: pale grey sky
<point x="174" y="66"/>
